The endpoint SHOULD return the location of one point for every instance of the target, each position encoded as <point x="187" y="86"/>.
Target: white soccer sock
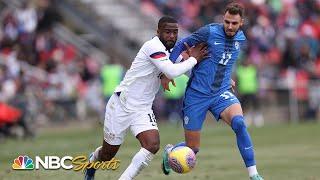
<point x="252" y="170"/>
<point x="139" y="161"/>
<point x="95" y="156"/>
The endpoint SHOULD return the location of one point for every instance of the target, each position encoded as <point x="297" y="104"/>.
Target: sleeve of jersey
<point x="201" y="35"/>
<point x="180" y="59"/>
<point x="162" y="62"/>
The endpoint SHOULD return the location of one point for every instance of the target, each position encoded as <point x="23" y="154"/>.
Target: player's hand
<point x="199" y="52"/>
<point x="184" y="55"/>
<point x="233" y="85"/>
<point x="165" y="82"/>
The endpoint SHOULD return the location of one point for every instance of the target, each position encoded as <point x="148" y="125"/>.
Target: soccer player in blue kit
<point x="209" y="87"/>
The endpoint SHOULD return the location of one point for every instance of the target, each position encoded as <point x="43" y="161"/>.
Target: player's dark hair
<point x="235" y="8"/>
<point x="166" y="19"/>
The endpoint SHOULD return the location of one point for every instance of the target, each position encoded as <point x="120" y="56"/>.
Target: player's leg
<point x="150" y="140"/>
<point x="106" y="152"/>
<point x="192" y="140"/>
<point x="115" y="126"/>
<point x="103" y="153"/>
<point x="233" y="116"/>
<point x="146" y="131"/>
<point x="193" y="118"/>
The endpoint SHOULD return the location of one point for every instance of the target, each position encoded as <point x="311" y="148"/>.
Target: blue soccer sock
<point x="195" y="150"/>
<point x="243" y="140"/>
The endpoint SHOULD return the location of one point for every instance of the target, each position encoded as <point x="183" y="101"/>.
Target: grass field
<point x="283" y="152"/>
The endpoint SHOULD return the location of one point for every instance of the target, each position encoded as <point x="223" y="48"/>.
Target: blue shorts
<point x="195" y="108"/>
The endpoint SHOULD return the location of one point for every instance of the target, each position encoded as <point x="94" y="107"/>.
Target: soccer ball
<point x="182" y="159"/>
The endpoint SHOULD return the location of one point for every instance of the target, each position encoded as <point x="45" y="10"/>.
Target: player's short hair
<point x="235" y="8"/>
<point x="166" y="19"/>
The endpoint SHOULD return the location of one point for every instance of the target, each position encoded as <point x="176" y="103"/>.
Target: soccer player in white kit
<point x="131" y="105"/>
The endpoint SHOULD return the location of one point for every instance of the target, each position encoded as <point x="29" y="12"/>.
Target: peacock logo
<point x="23" y="163"/>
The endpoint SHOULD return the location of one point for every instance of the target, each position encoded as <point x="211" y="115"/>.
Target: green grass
<point x="282" y="152"/>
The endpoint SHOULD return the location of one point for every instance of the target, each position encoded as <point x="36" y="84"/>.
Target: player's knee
<point x="152" y="147"/>
<point x="238" y="123"/>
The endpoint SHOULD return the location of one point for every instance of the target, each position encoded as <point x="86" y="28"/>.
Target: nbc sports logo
<point x="67" y="162"/>
<point x="23" y="163"/>
<point x="49" y="162"/>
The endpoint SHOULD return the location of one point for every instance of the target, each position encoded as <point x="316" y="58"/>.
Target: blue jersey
<point x="212" y="75"/>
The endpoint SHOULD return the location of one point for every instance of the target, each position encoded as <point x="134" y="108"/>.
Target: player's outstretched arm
<point x="201" y="35"/>
<point x="174" y="70"/>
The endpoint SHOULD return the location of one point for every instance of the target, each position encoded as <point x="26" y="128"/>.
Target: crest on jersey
<point x="158" y="55"/>
<point x="186" y="120"/>
<point x="236" y="45"/>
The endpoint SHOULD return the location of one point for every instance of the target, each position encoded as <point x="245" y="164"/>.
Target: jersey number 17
<point x="225" y="58"/>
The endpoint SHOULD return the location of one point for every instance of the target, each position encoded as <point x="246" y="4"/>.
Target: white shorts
<point x="117" y="121"/>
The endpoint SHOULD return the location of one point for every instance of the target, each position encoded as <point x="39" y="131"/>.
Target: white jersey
<point x="141" y="82"/>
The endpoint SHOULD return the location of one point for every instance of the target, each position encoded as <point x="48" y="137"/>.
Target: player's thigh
<point x="194" y="114"/>
<point x="144" y="127"/>
<point x="116" y="122"/>
<point x="226" y="106"/>
<point x="230" y="112"/>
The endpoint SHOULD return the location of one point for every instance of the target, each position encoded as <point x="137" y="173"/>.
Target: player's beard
<point x="231" y="31"/>
<point x="170" y="44"/>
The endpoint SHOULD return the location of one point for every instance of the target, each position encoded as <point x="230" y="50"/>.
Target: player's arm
<point x="162" y="62"/>
<point x="201" y="35"/>
<point x="168" y="68"/>
<point x="184" y="55"/>
<point x="165" y="82"/>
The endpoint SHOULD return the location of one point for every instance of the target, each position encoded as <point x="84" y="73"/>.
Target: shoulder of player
<point x="215" y="29"/>
<point x="240" y="36"/>
<point x="213" y="25"/>
<point x="154" y="49"/>
<point x="153" y="43"/>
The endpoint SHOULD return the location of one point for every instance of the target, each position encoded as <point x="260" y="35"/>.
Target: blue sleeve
<point x="201" y="35"/>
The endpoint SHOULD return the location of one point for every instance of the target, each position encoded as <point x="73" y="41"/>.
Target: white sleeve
<point x="180" y="59"/>
<point x="188" y="73"/>
<point x="162" y="62"/>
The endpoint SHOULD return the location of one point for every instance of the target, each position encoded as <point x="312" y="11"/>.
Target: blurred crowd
<point x="283" y="41"/>
<point x="42" y="77"/>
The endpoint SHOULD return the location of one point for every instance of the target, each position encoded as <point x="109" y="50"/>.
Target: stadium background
<point x="60" y="59"/>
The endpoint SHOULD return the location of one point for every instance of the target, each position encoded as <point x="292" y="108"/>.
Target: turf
<point x="283" y="152"/>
